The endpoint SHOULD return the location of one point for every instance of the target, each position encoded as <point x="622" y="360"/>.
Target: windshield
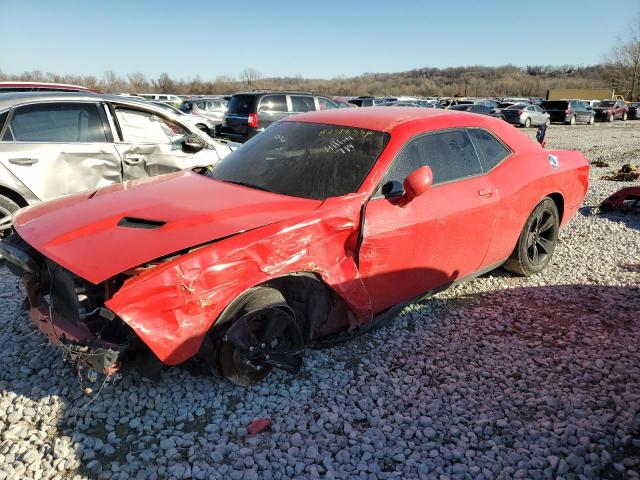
<point x="516" y="107"/>
<point x="307" y="160"/>
<point x="606" y="104"/>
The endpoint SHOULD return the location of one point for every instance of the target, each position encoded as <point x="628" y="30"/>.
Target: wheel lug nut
<point x="252" y="348"/>
<point x="259" y="367"/>
<point x="262" y="345"/>
<point x="267" y="357"/>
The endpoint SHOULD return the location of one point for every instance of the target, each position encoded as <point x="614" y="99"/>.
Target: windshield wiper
<point x="245" y="184"/>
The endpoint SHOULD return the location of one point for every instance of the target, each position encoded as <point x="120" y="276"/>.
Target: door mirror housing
<point x="417" y="182"/>
<point x="192" y="144"/>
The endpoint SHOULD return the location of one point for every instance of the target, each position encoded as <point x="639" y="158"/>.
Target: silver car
<point x="525" y="115"/>
<point x="54" y="144"/>
<point x="201" y="122"/>
<point x="213" y="108"/>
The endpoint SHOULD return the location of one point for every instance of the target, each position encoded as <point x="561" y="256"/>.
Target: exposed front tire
<point x="527" y="123"/>
<point x="262" y="334"/>
<point x="537" y="240"/>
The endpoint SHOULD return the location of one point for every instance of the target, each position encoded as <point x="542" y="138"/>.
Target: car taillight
<point x="253" y="120"/>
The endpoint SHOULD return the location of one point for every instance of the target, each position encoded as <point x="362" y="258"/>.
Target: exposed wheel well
<point x="559" y="201"/>
<point x="16" y="197"/>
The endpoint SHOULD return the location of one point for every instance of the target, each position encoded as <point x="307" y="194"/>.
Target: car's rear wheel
<point x="7" y="207"/>
<point x="572" y="120"/>
<point x="527" y="123"/>
<point x="537" y="240"/>
<point x="262" y="334"/>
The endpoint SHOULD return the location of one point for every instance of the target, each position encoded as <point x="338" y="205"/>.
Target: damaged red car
<point x="314" y="229"/>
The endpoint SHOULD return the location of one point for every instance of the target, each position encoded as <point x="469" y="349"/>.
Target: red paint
<point x="449" y="231"/>
<point x="258" y="426"/>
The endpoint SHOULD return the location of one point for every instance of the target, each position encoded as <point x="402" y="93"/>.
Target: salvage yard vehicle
<point x="634" y="114"/>
<point x="54" y="144"/>
<point x="525" y="115"/>
<point x="472" y="108"/>
<point x="315" y="229"/>
<point x="9" y="87"/>
<point x="213" y="108"/>
<point x="610" y="110"/>
<point x="201" y="122"/>
<point x="569" y="111"/>
<point x="250" y="113"/>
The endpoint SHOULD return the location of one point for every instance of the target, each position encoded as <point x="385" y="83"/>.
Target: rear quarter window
<point x="273" y="103"/>
<point x="490" y="150"/>
<point x="302" y="103"/>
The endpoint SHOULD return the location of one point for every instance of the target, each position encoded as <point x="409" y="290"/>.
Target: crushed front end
<point x="70" y="310"/>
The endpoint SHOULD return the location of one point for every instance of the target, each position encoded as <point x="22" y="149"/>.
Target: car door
<point x="58" y="148"/>
<point x="438" y="237"/>
<point x="151" y="144"/>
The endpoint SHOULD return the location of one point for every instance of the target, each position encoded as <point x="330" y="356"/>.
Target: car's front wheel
<point x="537" y="240"/>
<point x="262" y="334"/>
<point x="527" y="123"/>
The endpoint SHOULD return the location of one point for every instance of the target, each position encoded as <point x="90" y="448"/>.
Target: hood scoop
<point x="133" y="222"/>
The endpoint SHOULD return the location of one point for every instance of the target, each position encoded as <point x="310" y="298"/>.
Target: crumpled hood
<point x="97" y="235"/>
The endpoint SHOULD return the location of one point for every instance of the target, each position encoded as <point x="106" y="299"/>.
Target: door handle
<point x="133" y="160"/>
<point x="23" y="161"/>
<point x="485" y="192"/>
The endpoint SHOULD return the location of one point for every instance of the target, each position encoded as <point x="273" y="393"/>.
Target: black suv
<point x="569" y="111"/>
<point x="250" y="113"/>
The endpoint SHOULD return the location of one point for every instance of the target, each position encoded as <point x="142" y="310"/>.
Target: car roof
<point x="43" y="85"/>
<point x="8" y="100"/>
<point x="421" y="120"/>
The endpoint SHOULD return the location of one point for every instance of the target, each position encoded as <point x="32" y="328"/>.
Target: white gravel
<point x="499" y="378"/>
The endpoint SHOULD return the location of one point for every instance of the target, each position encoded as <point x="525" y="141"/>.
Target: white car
<point x="201" y="122"/>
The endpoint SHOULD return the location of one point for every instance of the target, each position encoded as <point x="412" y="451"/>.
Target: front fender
<point x="172" y="307"/>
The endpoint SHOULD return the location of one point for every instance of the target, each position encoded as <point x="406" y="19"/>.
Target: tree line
<point x="620" y="70"/>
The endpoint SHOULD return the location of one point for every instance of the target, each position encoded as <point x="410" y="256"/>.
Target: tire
<point x="527" y="123"/>
<point x="625" y="116"/>
<point x="261" y="334"/>
<point x="537" y="240"/>
<point x="7" y="207"/>
<point x="572" y="120"/>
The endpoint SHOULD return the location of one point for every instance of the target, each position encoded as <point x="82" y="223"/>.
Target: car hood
<point x="97" y="235"/>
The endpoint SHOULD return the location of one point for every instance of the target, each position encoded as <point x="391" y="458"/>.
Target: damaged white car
<point x="54" y="144"/>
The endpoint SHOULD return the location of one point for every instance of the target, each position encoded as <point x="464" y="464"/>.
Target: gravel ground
<point x="502" y="377"/>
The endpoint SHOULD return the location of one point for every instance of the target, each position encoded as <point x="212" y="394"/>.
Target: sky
<point x="314" y="39"/>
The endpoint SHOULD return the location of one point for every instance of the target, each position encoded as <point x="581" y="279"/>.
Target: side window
<point x="273" y="103"/>
<point x="146" y="127"/>
<point x="200" y="105"/>
<point x="450" y="154"/>
<point x="326" y="104"/>
<point x="530" y="109"/>
<point x="56" y="122"/>
<point x="490" y="150"/>
<point x="302" y="104"/>
<point x="3" y="118"/>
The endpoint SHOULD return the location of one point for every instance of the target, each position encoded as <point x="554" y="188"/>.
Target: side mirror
<point x="417" y="182"/>
<point x="192" y="144"/>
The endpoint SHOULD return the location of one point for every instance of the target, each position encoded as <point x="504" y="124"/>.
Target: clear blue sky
<point x="320" y="39"/>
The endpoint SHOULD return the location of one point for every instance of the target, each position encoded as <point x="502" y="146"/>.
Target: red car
<point x="312" y="229"/>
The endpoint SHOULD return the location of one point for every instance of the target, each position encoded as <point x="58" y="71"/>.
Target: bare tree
<point x="138" y="82"/>
<point x="623" y="64"/>
<point x="250" y="75"/>
<point x="165" y="84"/>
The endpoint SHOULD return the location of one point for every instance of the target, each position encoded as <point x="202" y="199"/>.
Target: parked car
<point x="12" y="87"/>
<point x="251" y="112"/>
<point x="201" y="122"/>
<point x="320" y="225"/>
<point x="54" y="144"/>
<point x="342" y="103"/>
<point x="525" y="115"/>
<point x="366" y="101"/>
<point x="175" y="100"/>
<point x="472" y="108"/>
<point x="501" y="106"/>
<point x="212" y="108"/>
<point x="610" y="110"/>
<point x="634" y="108"/>
<point x="569" y="111"/>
